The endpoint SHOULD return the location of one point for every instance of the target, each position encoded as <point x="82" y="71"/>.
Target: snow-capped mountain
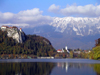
<point x="69" y="31"/>
<point x="81" y="26"/>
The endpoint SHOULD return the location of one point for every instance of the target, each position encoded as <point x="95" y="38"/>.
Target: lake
<point x="49" y="67"/>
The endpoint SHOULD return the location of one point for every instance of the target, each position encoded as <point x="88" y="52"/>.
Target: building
<point x="77" y="52"/>
<point x="4" y="27"/>
<point x="59" y="51"/>
<point x="66" y="48"/>
<point x="14" y="32"/>
<point x="87" y="51"/>
<point x="21" y="29"/>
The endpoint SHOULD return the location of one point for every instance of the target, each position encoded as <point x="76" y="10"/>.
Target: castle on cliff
<point x="15" y="33"/>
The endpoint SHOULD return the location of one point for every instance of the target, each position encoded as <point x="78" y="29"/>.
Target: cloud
<point x="32" y="12"/>
<point x="30" y="18"/>
<point x="34" y="16"/>
<point x="86" y="11"/>
<point x="53" y="8"/>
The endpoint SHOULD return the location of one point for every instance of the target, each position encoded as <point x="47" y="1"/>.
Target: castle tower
<point x="66" y="47"/>
<point x="21" y="29"/>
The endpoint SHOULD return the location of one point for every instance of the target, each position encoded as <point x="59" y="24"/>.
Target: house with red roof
<point x="4" y="27"/>
<point x="59" y="51"/>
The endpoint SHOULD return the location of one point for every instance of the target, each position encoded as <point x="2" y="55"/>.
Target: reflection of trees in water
<point x="72" y="65"/>
<point x="97" y="68"/>
<point x="67" y="66"/>
<point x="39" y="68"/>
<point x="78" y="65"/>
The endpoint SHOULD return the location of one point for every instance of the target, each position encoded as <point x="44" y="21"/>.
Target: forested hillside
<point x="33" y="45"/>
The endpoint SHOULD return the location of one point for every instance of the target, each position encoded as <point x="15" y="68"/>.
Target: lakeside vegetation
<point x="95" y="52"/>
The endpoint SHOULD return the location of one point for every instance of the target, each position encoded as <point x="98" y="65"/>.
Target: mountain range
<point x="74" y="32"/>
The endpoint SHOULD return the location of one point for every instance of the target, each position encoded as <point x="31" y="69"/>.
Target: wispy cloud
<point x="74" y="10"/>
<point x="53" y="8"/>
<point x="30" y="18"/>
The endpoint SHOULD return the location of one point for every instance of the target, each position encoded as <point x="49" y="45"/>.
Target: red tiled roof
<point x="14" y="27"/>
<point x="5" y="26"/>
<point x="59" y="50"/>
<point x="10" y="27"/>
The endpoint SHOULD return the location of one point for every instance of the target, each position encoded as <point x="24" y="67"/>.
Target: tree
<point x="64" y="56"/>
<point x="95" y="53"/>
<point x="97" y="42"/>
<point x="57" y="55"/>
<point x="71" y="54"/>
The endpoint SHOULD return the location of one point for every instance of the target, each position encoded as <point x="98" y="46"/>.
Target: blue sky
<point x="16" y="6"/>
<point x="38" y="12"/>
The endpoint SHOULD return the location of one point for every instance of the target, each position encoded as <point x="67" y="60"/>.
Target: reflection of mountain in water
<point x="34" y="68"/>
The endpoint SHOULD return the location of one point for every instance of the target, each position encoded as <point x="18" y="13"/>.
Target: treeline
<point x="95" y="53"/>
<point x="34" y="45"/>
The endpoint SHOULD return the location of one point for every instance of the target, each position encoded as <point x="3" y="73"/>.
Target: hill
<point x="32" y="45"/>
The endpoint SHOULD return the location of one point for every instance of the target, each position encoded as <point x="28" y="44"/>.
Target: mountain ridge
<point x="73" y="32"/>
<point x="78" y="25"/>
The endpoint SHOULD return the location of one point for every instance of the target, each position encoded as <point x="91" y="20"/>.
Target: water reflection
<point x="35" y="68"/>
<point x="49" y="68"/>
<point x="76" y="68"/>
<point x="63" y="65"/>
<point x="97" y="68"/>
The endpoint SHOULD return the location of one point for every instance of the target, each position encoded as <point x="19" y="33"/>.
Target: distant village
<point x="73" y="53"/>
<point x="78" y="51"/>
<point x="69" y="53"/>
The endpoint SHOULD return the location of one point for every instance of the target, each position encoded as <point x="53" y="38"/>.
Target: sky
<point x="30" y="13"/>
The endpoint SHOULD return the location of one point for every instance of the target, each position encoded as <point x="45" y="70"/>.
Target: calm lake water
<point x="49" y="67"/>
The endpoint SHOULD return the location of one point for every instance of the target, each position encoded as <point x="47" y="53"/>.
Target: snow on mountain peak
<point x="81" y="26"/>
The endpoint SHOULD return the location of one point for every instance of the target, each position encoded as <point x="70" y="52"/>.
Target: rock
<point x="15" y="33"/>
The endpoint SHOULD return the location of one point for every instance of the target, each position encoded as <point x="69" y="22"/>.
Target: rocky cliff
<point x="15" y="33"/>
